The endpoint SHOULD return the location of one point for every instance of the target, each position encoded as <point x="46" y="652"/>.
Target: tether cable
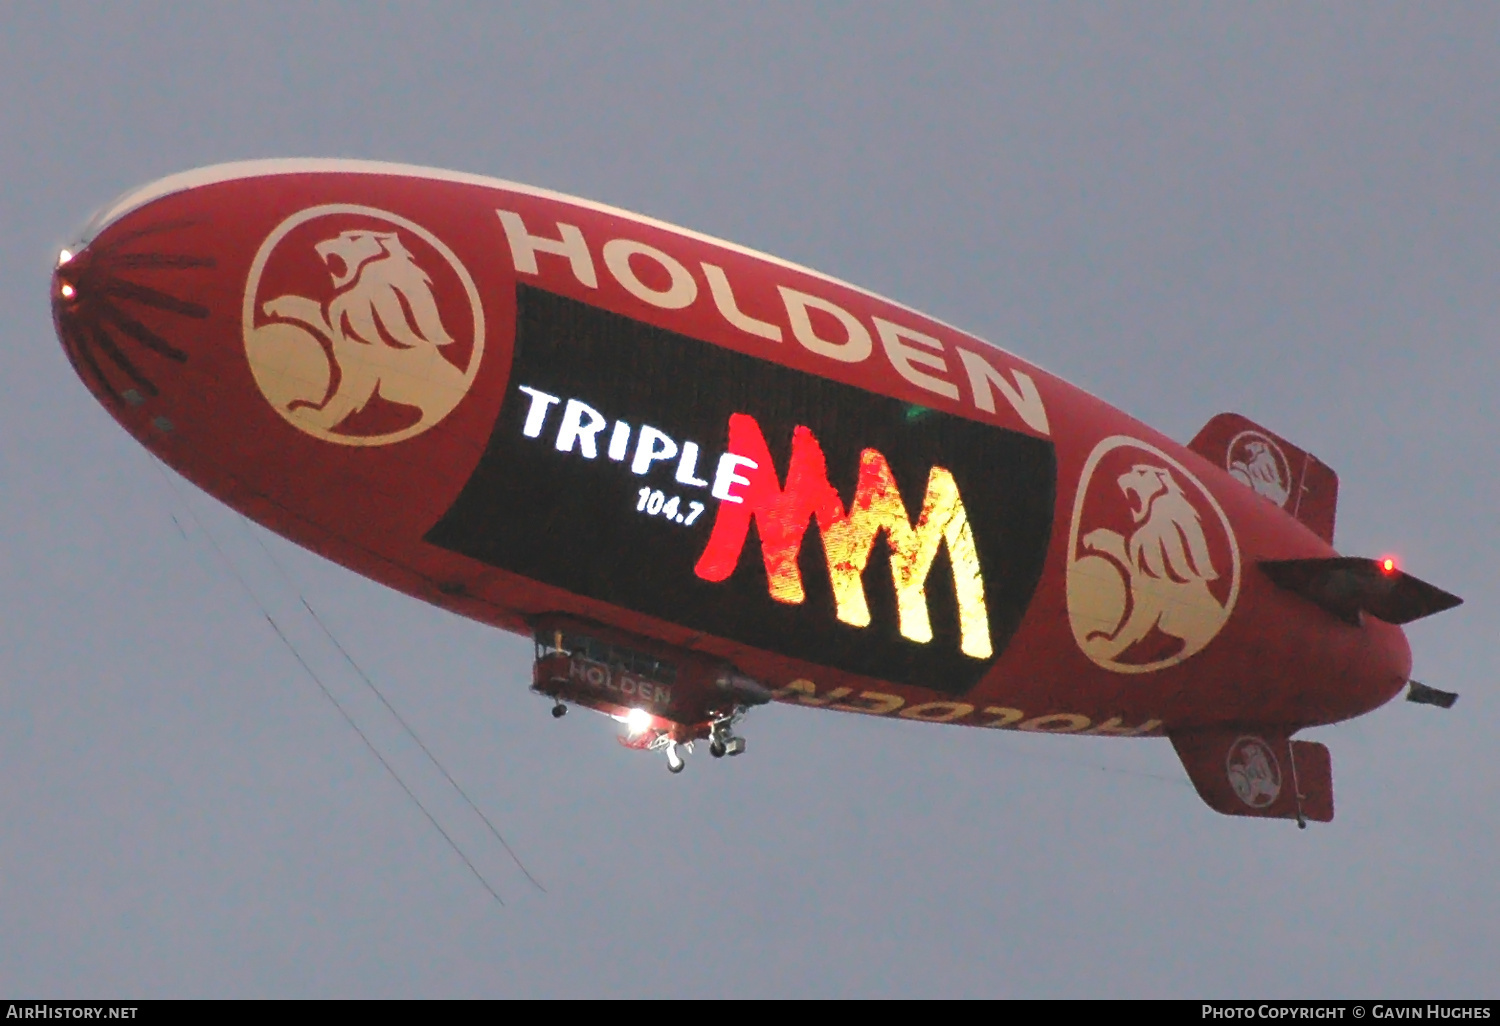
<point x="369" y="683"/>
<point x="425" y="750"/>
<point x="234" y="572"/>
<point x="376" y="752"/>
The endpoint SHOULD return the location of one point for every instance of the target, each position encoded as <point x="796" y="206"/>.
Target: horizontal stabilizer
<point x="1273" y="468"/>
<point x="1347" y="585"/>
<point x="1258" y="771"/>
<point x="1424" y="695"/>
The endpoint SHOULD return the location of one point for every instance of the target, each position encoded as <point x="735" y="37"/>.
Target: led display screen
<point x="759" y="503"/>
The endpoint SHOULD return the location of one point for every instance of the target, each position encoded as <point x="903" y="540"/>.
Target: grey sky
<point x="1289" y="211"/>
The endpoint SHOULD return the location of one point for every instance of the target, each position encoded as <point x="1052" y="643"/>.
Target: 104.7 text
<point x="652" y="502"/>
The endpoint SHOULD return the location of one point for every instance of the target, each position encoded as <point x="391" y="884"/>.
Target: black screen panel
<point x="576" y="522"/>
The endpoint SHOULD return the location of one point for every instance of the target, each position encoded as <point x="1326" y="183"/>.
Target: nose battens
<point x="119" y="303"/>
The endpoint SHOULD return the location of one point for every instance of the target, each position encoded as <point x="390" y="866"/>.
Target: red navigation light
<point x="1387" y="565"/>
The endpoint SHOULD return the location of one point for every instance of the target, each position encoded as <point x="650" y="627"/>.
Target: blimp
<point x="702" y="479"/>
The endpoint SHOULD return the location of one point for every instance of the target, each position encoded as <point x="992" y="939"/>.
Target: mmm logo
<point x="781" y="515"/>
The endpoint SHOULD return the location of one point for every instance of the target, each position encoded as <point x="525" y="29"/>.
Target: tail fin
<point x="1292" y="478"/>
<point x="1258" y="771"/>
<point x="1347" y="585"/>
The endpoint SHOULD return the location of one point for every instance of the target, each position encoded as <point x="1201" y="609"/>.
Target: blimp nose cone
<point x="123" y="306"/>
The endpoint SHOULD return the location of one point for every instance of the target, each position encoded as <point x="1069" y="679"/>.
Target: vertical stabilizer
<point x="1274" y="468"/>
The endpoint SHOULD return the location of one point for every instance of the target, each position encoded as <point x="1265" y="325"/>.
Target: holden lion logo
<point x="1253" y="772"/>
<point x="361" y="327"/>
<point x="1258" y="463"/>
<point x="1153" y="567"/>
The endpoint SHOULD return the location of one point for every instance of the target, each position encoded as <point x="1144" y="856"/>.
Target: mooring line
<point x="254" y="598"/>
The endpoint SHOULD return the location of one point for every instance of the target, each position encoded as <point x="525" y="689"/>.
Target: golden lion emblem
<point x="1155" y="585"/>
<point x="380" y="334"/>
<point x="1253" y="772"/>
<point x="1260" y="470"/>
